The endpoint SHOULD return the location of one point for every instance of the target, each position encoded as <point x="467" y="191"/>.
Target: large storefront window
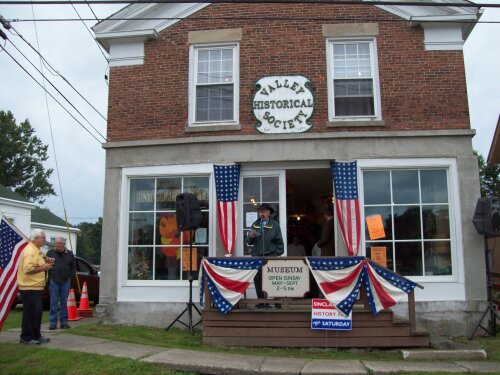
<point x="156" y="250"/>
<point x="415" y="211"/>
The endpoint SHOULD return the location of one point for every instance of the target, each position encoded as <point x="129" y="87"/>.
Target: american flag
<point x="227" y="279"/>
<point x="347" y="204"/>
<point x="227" y="180"/>
<point x="340" y="280"/>
<point x="11" y="246"/>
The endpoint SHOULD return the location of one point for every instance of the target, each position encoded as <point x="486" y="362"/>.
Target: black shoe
<point x="43" y="340"/>
<point x="263" y="306"/>
<point x="65" y="326"/>
<point x="29" y="342"/>
<point x="52" y="327"/>
<point x="277" y="305"/>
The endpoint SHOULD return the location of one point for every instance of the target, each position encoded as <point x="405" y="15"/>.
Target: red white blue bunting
<point x="339" y="279"/>
<point x="227" y="279"/>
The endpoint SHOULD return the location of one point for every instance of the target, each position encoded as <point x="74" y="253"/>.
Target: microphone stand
<point x="189" y="305"/>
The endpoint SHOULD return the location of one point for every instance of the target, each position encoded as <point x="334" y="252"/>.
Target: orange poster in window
<point x="375" y="227"/>
<point x="185" y="259"/>
<point x="379" y="255"/>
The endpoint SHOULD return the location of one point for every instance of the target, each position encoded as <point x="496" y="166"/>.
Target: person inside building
<point x="31" y="279"/>
<point x="327" y="240"/>
<point x="266" y="240"/>
<point x="296" y="249"/>
<point x="59" y="284"/>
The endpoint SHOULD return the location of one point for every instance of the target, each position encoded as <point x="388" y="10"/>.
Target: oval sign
<point x="283" y="104"/>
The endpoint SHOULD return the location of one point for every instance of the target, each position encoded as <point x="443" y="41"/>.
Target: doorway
<point x="308" y="193"/>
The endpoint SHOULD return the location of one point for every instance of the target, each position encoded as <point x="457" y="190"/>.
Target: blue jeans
<point x="58" y="301"/>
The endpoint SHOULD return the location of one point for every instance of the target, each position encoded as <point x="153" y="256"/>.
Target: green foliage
<point x="22" y="155"/>
<point x="89" y="241"/>
<point x="489" y="177"/>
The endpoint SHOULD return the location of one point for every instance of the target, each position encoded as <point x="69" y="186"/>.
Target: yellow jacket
<point x="30" y="258"/>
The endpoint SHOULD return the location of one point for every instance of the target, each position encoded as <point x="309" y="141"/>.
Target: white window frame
<point x="193" y="71"/>
<point x="154" y="290"/>
<point x="450" y="165"/>
<point x="377" y="116"/>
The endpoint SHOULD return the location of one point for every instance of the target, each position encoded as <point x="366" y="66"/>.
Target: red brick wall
<point x="419" y="89"/>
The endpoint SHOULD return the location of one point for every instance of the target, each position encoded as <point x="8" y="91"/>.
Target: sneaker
<point x="52" y="327"/>
<point x="65" y="326"/>
<point x="29" y="342"/>
<point x="43" y="340"/>
<point x="263" y="306"/>
<point x="277" y="305"/>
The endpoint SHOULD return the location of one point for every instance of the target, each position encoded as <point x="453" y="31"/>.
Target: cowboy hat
<point x="265" y="206"/>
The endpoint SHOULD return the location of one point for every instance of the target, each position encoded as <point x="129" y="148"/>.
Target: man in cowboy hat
<point x="266" y="239"/>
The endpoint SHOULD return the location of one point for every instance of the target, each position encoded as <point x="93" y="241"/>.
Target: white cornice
<point x="55" y="227"/>
<point x="16" y="203"/>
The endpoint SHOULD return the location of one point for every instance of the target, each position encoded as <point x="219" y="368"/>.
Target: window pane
<point x="166" y="191"/>
<point x="405" y="187"/>
<point x="203" y="55"/>
<point x="388" y="252"/>
<point x="251" y="189"/>
<point x="409" y="258"/>
<point x="377" y="187"/>
<point x="270" y="189"/>
<point x="198" y="252"/>
<point x="142" y="193"/>
<point x="436" y="222"/>
<point x="437" y="258"/>
<point x="140" y="263"/>
<point x="167" y="264"/>
<point x="354" y="106"/>
<point x="197" y="186"/>
<point x="434" y="186"/>
<point x="141" y="229"/>
<point x="220" y="101"/>
<point x="386" y="220"/>
<point x="407" y="223"/>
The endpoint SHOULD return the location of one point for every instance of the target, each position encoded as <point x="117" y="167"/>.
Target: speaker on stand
<point x="189" y="218"/>
<point x="486" y="220"/>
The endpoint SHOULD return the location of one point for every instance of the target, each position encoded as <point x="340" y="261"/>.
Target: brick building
<point x="282" y="90"/>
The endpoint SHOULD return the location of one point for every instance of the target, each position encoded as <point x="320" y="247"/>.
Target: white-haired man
<point x="31" y="280"/>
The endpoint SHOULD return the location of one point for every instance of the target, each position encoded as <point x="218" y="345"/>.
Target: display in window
<point x="375" y="227"/>
<point x="140" y="263"/>
<point x="142" y="194"/>
<point x="379" y="255"/>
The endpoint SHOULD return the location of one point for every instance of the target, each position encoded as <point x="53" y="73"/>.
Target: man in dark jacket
<point x="266" y="239"/>
<point x="59" y="284"/>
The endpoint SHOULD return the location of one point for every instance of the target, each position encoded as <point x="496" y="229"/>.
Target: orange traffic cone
<point x="72" y="313"/>
<point x="84" y="310"/>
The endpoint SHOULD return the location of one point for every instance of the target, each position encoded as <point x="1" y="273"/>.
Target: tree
<point x="489" y="177"/>
<point x="22" y="155"/>
<point x="89" y="241"/>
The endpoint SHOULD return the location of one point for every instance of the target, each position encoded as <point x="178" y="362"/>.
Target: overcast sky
<point x="69" y="48"/>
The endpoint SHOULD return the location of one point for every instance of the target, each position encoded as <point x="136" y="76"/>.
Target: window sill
<point x="345" y="123"/>
<point x="211" y="128"/>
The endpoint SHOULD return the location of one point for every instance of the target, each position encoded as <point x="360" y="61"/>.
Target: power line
<point x="90" y="33"/>
<point x="333" y="2"/>
<point x="97" y="19"/>
<point x="60" y="93"/>
<point x="52" y="96"/>
<point x="52" y="70"/>
<point x="252" y="18"/>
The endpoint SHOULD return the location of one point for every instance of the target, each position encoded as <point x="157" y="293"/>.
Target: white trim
<point x="56" y="227"/>
<point x="16" y="203"/>
<point x="433" y="286"/>
<point x="129" y="290"/>
<point x="259" y="171"/>
<point x="193" y="67"/>
<point x="375" y="77"/>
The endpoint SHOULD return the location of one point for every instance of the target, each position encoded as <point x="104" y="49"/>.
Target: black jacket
<point x="269" y="242"/>
<point x="64" y="266"/>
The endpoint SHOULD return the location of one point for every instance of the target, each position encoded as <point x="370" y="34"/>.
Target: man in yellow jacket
<point x="31" y="279"/>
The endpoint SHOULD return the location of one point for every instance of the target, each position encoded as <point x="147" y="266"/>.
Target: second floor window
<point x="353" y="80"/>
<point x="214" y="84"/>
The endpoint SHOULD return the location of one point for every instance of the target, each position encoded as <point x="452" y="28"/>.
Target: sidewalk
<point x="463" y="359"/>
